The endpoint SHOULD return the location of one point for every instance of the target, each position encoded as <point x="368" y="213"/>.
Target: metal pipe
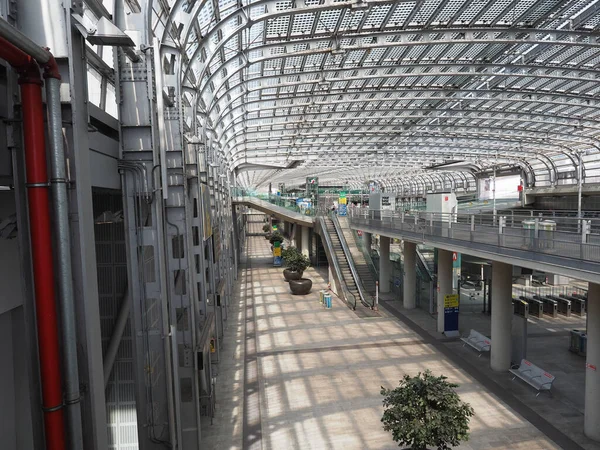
<point x="42" y="257"/>
<point x="64" y="268"/>
<point x="23" y="43"/>
<point x="579" y="185"/>
<point x="115" y="339"/>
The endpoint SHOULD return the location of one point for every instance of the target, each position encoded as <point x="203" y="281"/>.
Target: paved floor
<point x="548" y="343"/>
<point x="296" y="376"/>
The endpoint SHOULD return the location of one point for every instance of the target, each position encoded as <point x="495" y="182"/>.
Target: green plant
<point x="276" y="237"/>
<point x="266" y="228"/>
<point x="294" y="260"/>
<point x="426" y="411"/>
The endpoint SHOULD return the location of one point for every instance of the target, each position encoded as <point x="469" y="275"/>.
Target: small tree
<point x="294" y="260"/>
<point x="276" y="237"/>
<point x="266" y="228"/>
<point x="426" y="411"/>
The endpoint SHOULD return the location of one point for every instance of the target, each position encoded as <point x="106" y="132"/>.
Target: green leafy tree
<point x="266" y="228"/>
<point x="294" y="260"/>
<point x="276" y="237"/>
<point x="426" y="411"/>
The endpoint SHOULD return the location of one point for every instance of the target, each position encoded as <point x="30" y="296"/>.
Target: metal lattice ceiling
<point x="357" y="90"/>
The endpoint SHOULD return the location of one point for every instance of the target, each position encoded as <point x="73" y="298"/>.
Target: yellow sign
<point x="451" y="301"/>
<point x="277" y="251"/>
<point x="342" y="201"/>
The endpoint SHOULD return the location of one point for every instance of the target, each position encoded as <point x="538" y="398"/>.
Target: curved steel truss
<point x="382" y="90"/>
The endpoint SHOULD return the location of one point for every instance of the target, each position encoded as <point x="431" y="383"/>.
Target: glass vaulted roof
<point x="360" y="90"/>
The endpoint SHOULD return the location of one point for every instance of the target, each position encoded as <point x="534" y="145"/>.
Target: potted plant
<point x="266" y="228"/>
<point x="425" y="410"/>
<point x="295" y="263"/>
<point x="275" y="237"/>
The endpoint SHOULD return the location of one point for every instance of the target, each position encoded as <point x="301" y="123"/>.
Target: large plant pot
<point x="301" y="286"/>
<point x="291" y="274"/>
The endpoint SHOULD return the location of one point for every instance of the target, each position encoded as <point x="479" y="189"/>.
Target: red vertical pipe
<point x="41" y="245"/>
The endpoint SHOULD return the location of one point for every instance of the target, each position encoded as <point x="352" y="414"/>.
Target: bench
<point x="532" y="375"/>
<point x="564" y="305"/>
<point x="478" y="341"/>
<point x="578" y="305"/>
<point x="550" y="306"/>
<point x="536" y="307"/>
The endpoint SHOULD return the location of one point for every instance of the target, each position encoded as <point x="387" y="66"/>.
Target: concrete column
<point x="501" y="316"/>
<point x="305" y="241"/>
<point x="592" y="371"/>
<point x="410" y="275"/>
<point x="444" y="284"/>
<point x="367" y="241"/>
<point x="385" y="267"/>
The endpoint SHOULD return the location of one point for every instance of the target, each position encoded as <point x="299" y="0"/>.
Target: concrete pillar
<point x="367" y="241"/>
<point x="592" y="371"/>
<point x="385" y="267"/>
<point x="444" y="284"/>
<point x="502" y="312"/>
<point x="305" y="242"/>
<point x="410" y="275"/>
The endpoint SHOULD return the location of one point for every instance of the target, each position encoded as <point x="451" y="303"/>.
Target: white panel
<point x="43" y="22"/>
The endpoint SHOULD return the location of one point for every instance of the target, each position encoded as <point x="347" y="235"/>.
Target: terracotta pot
<point x="301" y="286"/>
<point x="291" y="275"/>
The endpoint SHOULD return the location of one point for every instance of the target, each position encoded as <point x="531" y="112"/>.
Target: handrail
<point x="341" y="287"/>
<point x="421" y="259"/>
<point x="367" y="255"/>
<point x="350" y="260"/>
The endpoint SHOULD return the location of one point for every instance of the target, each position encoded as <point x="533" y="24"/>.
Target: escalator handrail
<point x="329" y="251"/>
<point x="350" y="260"/>
<point x="367" y="255"/>
<point x="423" y="263"/>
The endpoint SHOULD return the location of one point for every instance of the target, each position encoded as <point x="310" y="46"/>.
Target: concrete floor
<point x="547" y="347"/>
<point x="295" y="376"/>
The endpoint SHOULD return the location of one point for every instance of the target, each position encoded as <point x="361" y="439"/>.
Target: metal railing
<point x="343" y="291"/>
<point x="361" y="290"/>
<point x="289" y="203"/>
<point x="565" y="236"/>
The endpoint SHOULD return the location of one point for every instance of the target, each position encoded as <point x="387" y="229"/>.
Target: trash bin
<point x="327" y="300"/>
<point x="578" y="342"/>
<point x="546" y="235"/>
<point x="575" y="343"/>
<point x="529" y="225"/>
<point x="583" y="345"/>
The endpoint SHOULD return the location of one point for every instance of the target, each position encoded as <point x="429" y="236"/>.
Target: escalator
<point x="362" y="262"/>
<point x="344" y="272"/>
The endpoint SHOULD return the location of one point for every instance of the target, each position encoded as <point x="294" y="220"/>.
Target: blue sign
<point x="451" y="307"/>
<point x="342" y="210"/>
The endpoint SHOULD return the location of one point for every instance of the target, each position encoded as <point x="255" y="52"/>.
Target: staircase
<point x="360" y="262"/>
<point x="341" y="258"/>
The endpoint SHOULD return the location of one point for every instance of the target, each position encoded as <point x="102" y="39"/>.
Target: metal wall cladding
<point x="112" y="283"/>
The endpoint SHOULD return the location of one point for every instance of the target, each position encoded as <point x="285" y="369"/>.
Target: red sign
<point x="359" y="233"/>
<point x="446" y="198"/>
<point x="454" y="256"/>
<point x="590" y="366"/>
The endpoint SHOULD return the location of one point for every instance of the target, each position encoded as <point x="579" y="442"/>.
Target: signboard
<point x="385" y="200"/>
<point x="451" y="306"/>
<point x="343" y="210"/>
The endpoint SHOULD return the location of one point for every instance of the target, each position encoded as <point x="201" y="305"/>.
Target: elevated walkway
<point x="566" y="251"/>
<point x="280" y="212"/>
